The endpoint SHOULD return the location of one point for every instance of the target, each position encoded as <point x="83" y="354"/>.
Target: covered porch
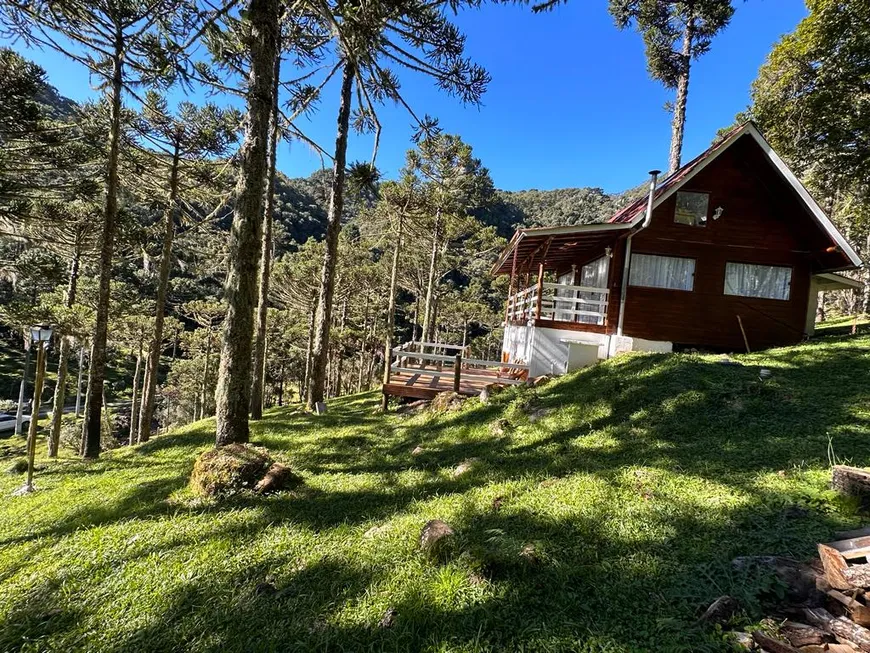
<point x="561" y="309"/>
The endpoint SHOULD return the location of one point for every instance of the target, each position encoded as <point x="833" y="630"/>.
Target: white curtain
<point x="566" y="279"/>
<point x="766" y="281"/>
<point x="593" y="274"/>
<point x="662" y="272"/>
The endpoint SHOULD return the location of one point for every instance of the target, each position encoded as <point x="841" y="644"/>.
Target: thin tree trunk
<point x="203" y="396"/>
<point x="22" y="389"/>
<point x="391" y="305"/>
<point x="134" y="408"/>
<point x="233" y="395"/>
<point x="428" y="326"/>
<point x="266" y="256"/>
<point x="308" y="351"/>
<point x="78" y="412"/>
<point x="97" y="375"/>
<point x="63" y="356"/>
<point x="678" y="125"/>
<point x="149" y="389"/>
<point x="323" y="322"/>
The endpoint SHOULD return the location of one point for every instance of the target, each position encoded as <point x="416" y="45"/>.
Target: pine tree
<point x="675" y="33"/>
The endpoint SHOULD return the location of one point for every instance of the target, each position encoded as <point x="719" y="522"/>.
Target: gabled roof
<point x="633" y="214"/>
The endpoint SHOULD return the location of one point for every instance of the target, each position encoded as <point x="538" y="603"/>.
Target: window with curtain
<point x="561" y="307"/>
<point x="764" y="281"/>
<point x="653" y="271"/>
<point x="593" y="275"/>
<point x="692" y="208"/>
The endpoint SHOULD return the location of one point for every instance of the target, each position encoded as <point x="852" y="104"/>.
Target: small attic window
<point x="692" y="208"/>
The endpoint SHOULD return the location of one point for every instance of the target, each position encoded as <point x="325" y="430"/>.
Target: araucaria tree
<point x="233" y="395"/>
<point x="184" y="139"/>
<point x="675" y="33"/>
<point x="370" y="37"/>
<point x="120" y="42"/>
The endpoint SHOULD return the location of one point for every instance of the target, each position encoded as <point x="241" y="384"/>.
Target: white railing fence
<point x="586" y="304"/>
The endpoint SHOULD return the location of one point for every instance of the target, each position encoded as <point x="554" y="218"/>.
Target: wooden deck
<point x="425" y="386"/>
<point x="418" y="374"/>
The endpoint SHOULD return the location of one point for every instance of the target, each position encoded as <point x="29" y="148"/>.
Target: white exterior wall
<point x="556" y="351"/>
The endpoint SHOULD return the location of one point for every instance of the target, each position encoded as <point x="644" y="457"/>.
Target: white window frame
<point x="741" y="292"/>
<point x="637" y="260"/>
<point x="698" y="223"/>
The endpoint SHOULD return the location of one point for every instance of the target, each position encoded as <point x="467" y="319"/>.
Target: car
<point x="7" y="424"/>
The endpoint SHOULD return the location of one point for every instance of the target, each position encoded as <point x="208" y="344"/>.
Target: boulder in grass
<point x="278" y="477"/>
<point x="436" y="538"/>
<point x="229" y="469"/>
<point x="17" y="467"/>
<point x="446" y="402"/>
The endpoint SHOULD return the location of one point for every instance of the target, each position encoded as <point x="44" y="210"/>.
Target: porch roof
<point x="556" y="246"/>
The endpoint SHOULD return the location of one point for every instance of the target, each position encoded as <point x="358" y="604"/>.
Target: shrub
<point x="226" y="470"/>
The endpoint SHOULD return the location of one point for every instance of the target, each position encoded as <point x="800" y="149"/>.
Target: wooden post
<point x="540" y="291"/>
<point x="457" y="371"/>
<point x="507" y="310"/>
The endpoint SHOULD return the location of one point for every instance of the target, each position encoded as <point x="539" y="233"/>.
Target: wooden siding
<point x="763" y="222"/>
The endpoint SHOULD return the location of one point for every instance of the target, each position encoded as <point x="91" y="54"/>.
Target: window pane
<point x="692" y="209"/>
<point x="765" y="281"/>
<point x="662" y="272"/>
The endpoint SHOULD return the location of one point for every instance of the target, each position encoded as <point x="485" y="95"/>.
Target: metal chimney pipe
<point x="626" y="269"/>
<point x="653" y="178"/>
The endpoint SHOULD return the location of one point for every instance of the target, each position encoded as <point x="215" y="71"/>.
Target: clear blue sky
<point x="570" y="103"/>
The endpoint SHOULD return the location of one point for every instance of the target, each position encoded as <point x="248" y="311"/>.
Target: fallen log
<point x="846" y="631"/>
<point x="835" y="567"/>
<point x="852" y="481"/>
<point x="799" y="634"/>
<point x="858" y="575"/>
<point x="772" y="645"/>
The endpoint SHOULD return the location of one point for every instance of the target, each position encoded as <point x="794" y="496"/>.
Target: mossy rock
<point x="229" y="469"/>
<point x="18" y="466"/>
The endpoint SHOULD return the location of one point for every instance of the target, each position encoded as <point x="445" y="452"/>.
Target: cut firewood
<point x="858" y="575"/>
<point x="859" y="612"/>
<point x="835" y="567"/>
<point x="803" y="635"/>
<point x="772" y="645"/>
<point x="846" y="631"/>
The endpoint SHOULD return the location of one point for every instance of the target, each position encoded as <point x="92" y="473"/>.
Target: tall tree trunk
<point x="149" y="388"/>
<point x="97" y="375"/>
<point x="134" y="400"/>
<point x="306" y="376"/>
<point x="428" y="326"/>
<point x="22" y="389"/>
<point x="323" y="321"/>
<point x="391" y="305"/>
<point x="203" y="395"/>
<point x="266" y="256"/>
<point x="233" y="395"/>
<point x="63" y="357"/>
<point x="79" y="381"/>
<point x="678" y="125"/>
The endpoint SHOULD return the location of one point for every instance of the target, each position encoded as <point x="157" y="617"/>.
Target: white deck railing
<point x="586" y="304"/>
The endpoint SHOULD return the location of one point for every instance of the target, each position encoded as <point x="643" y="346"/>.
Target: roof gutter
<point x="626" y="269"/>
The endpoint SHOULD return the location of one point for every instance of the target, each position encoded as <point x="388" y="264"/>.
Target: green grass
<point x="647" y="477"/>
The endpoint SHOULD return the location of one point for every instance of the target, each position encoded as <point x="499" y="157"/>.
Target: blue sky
<point x="570" y="103"/>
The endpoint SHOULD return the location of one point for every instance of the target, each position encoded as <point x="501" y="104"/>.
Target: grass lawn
<point x="647" y="476"/>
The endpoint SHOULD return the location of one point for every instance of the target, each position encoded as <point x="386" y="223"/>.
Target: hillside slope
<point x="607" y="523"/>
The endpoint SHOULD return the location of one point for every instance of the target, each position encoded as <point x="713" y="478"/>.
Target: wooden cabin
<point x="733" y="258"/>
